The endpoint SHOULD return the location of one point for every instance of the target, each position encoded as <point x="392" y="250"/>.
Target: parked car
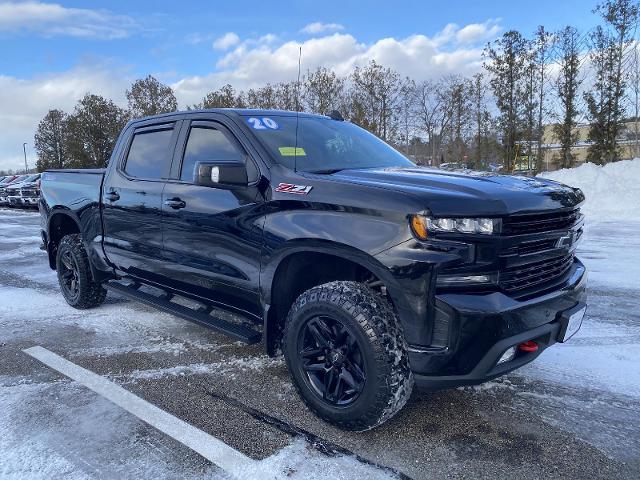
<point x="6" y="179"/>
<point x="369" y="273"/>
<point x="4" y="196"/>
<point x="26" y="192"/>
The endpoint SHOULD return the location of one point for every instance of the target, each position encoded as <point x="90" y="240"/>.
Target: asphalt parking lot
<point x="571" y="414"/>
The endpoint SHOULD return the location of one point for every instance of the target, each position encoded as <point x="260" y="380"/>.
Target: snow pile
<point x="612" y="191"/>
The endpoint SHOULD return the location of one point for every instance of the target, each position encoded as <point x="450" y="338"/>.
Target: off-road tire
<point x="369" y="316"/>
<point x="90" y="293"/>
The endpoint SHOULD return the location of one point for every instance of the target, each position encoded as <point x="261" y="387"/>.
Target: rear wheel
<point x="346" y="354"/>
<point x="74" y="275"/>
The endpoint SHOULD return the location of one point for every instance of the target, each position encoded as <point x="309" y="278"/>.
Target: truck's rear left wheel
<point x="74" y="275"/>
<point x="346" y="354"/>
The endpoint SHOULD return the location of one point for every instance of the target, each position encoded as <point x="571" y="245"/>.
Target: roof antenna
<point x="295" y="149"/>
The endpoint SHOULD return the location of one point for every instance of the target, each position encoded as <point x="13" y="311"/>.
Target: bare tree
<point x="430" y="112"/>
<point x="374" y="99"/>
<point x="478" y="92"/>
<point x="456" y="105"/>
<point x="323" y="91"/>
<point x="407" y="110"/>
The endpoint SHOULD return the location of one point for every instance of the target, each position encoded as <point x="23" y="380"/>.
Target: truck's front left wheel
<point x="346" y="353"/>
<point x="74" y="275"/>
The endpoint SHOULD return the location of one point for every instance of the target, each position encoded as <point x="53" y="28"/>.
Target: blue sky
<point x="53" y="53"/>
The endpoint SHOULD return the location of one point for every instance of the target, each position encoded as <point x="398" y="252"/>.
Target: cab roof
<point x="243" y="112"/>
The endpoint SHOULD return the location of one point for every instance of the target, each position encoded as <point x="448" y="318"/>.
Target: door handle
<point x="175" y="203"/>
<point x="112" y="196"/>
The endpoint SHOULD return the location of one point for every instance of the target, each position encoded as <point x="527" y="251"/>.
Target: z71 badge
<point x="295" y="189"/>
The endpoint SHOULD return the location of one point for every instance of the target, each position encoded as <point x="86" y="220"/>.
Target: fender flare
<point x="327" y="247"/>
<point x="336" y="249"/>
<point x="56" y="213"/>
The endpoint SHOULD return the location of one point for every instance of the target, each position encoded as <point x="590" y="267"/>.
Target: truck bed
<point x="77" y="191"/>
<point x="72" y="188"/>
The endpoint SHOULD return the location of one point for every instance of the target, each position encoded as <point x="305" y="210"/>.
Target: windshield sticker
<point x="264" y="123"/>
<point x="295" y="189"/>
<point x="292" y="152"/>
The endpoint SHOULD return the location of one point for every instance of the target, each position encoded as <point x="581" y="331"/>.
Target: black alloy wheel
<point x="346" y="354"/>
<point x="76" y="281"/>
<point x="70" y="281"/>
<point x="332" y="360"/>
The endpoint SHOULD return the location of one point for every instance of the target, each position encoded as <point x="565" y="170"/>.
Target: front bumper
<point x="477" y="329"/>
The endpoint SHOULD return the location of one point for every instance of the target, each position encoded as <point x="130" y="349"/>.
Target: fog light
<point x="508" y="355"/>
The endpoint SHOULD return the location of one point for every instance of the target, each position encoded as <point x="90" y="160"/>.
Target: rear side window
<point x="206" y="145"/>
<point x="149" y="154"/>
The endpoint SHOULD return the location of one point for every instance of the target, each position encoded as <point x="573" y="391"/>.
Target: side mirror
<point x="228" y="175"/>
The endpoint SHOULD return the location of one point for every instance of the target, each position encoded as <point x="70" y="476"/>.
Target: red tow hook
<point x="528" y="346"/>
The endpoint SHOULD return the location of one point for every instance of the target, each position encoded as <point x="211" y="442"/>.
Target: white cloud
<point x="245" y="63"/>
<point x="252" y="63"/>
<point x="319" y="27"/>
<point x="226" y="41"/>
<point x="50" y="19"/>
<point x="478" y="32"/>
<point x="25" y="102"/>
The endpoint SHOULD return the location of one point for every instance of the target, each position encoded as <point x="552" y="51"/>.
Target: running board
<point x="201" y="317"/>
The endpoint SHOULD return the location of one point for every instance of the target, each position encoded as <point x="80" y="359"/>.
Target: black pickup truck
<point x="370" y="274"/>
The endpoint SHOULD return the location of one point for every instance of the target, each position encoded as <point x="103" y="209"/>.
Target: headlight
<point x="455" y="280"/>
<point x="421" y="225"/>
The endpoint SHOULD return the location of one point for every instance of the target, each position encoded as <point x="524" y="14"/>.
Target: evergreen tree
<point x="224" y="97"/>
<point x="51" y="141"/>
<point x="150" y="97"/>
<point x="566" y="88"/>
<point x="93" y="129"/>
<point x="610" y="46"/>
<point x="506" y="64"/>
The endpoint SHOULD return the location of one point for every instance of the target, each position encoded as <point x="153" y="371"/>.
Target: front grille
<point x="540" y="222"/>
<point x="29" y="193"/>
<point x="535" y="274"/>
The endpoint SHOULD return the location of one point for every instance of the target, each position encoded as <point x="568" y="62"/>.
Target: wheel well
<point x="300" y="272"/>
<point x="60" y="225"/>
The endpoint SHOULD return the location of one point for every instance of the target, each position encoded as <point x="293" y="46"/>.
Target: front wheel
<point x="346" y="354"/>
<point x="74" y="275"/>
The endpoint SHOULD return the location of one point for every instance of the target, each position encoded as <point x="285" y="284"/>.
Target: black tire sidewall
<point x="361" y="407"/>
<point x="372" y="321"/>
<point x="89" y="293"/>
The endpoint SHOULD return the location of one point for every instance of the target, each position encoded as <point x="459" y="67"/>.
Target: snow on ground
<point x="612" y="191"/>
<point x="589" y="386"/>
<point x="38" y="412"/>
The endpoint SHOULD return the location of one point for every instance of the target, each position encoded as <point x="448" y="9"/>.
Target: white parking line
<point x="214" y="450"/>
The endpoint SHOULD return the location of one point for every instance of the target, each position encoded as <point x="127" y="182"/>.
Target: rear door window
<point x="149" y="154"/>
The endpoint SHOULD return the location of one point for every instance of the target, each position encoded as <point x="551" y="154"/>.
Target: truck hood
<point x="469" y="193"/>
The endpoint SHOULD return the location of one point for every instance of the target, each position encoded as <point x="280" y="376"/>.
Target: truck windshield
<point x="323" y="145"/>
